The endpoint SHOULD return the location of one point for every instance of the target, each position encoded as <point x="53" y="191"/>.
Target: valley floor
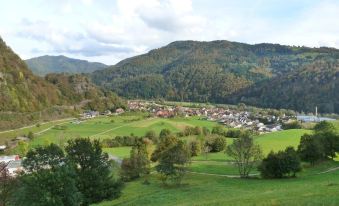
<point x="208" y="181"/>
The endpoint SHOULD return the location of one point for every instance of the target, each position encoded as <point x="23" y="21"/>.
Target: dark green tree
<point x="329" y="138"/>
<point x="44" y="157"/>
<point x="310" y="149"/>
<point x="49" y="180"/>
<point x="164" y="133"/>
<point x="280" y="164"/>
<point x="216" y="143"/>
<point x="53" y="187"/>
<point x="93" y="169"/>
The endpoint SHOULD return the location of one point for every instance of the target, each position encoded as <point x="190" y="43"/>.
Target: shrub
<point x="216" y="143"/>
<point x="280" y="164"/>
<point x="218" y="130"/>
<point x="292" y="125"/>
<point x="195" y="148"/>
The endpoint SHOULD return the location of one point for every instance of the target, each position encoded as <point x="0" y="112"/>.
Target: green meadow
<point x="309" y="188"/>
<point x="210" y="180"/>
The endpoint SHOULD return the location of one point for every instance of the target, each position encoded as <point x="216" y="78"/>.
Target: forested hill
<point x="58" y="64"/>
<point x="316" y="84"/>
<point x="22" y="91"/>
<point x="213" y="72"/>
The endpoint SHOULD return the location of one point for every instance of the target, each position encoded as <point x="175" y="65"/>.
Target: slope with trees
<point x="59" y="64"/>
<point x="222" y="72"/>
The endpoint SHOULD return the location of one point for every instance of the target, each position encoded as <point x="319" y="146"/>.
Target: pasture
<point x="209" y="181"/>
<point x="309" y="188"/>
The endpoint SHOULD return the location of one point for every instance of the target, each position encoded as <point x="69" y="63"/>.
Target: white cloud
<point x="112" y="30"/>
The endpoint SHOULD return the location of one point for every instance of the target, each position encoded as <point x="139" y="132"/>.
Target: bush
<point x="280" y="164"/>
<point x="218" y="130"/>
<point x="233" y="133"/>
<point x="192" y="131"/>
<point x="291" y="125"/>
<point x="152" y="136"/>
<point x="216" y="143"/>
<point x="30" y="135"/>
<point x="165" y="133"/>
<point x="195" y="148"/>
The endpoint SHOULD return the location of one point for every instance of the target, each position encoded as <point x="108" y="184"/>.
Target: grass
<point x="6" y="136"/>
<point x="109" y="127"/>
<point x="310" y="188"/>
<point x="120" y="152"/>
<point x="280" y="140"/>
<point x="307" y="189"/>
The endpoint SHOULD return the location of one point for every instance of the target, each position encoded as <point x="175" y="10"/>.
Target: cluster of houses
<point x="12" y="164"/>
<point x="92" y="114"/>
<point x="229" y="118"/>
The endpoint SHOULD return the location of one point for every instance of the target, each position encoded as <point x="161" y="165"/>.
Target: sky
<point x="109" y="31"/>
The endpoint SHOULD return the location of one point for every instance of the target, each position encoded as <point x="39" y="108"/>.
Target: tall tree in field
<point x="94" y="170"/>
<point x="173" y="161"/>
<point x="329" y="138"/>
<point x="245" y="154"/>
<point x="310" y="149"/>
<point x="138" y="164"/>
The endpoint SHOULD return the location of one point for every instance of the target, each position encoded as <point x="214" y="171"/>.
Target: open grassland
<point x="208" y="181"/>
<point x="37" y="128"/>
<point x="109" y="127"/>
<point x="309" y="188"/>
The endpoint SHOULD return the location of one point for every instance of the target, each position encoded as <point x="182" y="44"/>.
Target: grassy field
<point x="8" y="135"/>
<point x="207" y="182"/>
<point x="108" y="127"/>
<point x="309" y="188"/>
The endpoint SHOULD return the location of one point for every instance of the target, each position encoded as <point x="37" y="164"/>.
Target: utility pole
<point x="316" y="111"/>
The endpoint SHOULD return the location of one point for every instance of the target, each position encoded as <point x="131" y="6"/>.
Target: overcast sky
<point x="110" y="30"/>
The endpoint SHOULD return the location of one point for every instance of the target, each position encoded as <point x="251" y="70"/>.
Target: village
<point x="238" y="119"/>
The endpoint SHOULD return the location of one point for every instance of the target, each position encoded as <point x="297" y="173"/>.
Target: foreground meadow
<point x="309" y="188"/>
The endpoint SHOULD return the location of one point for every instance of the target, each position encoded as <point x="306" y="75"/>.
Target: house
<point x="90" y="114"/>
<point x="7" y="159"/>
<point x="119" y="111"/>
<point x="3" y="147"/>
<point x="14" y="167"/>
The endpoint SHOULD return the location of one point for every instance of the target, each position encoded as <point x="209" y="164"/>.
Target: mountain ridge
<point x="46" y="64"/>
<point x="209" y="71"/>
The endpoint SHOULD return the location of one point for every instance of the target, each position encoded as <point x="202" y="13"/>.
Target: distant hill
<point x="222" y="72"/>
<point x="22" y="91"/>
<point x="59" y="64"/>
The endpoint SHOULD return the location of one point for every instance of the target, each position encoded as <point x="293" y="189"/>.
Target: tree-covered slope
<point x="316" y="84"/>
<point x="58" y="64"/>
<point x="20" y="90"/>
<point x="207" y="71"/>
